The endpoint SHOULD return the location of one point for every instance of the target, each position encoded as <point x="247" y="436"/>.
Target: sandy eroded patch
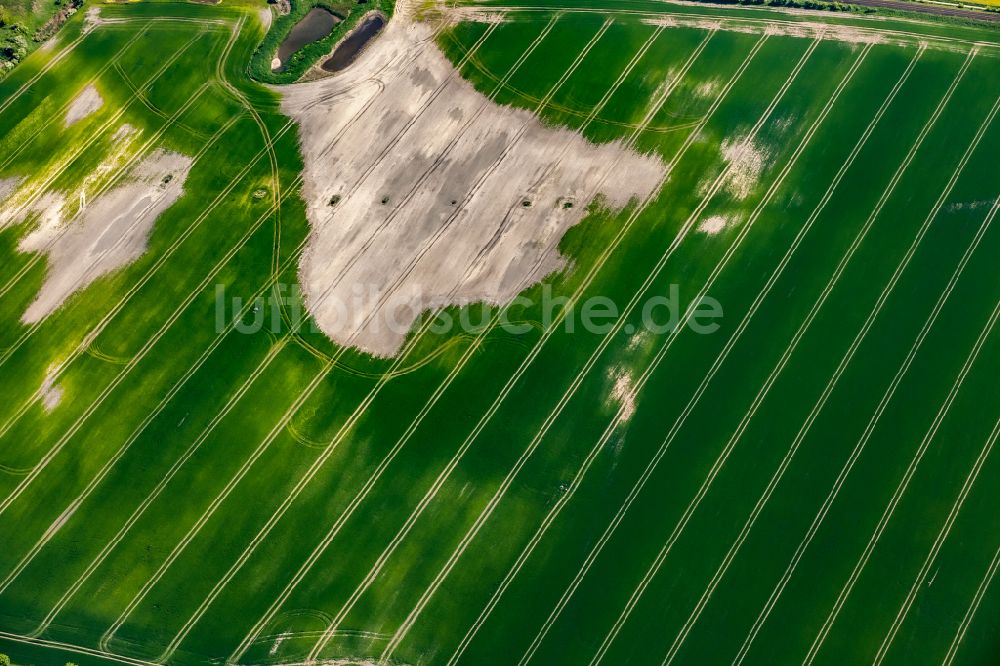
<point x="709" y="89"/>
<point x="111" y="231"/>
<point x="802" y="29"/>
<point x="51" y="393"/>
<point x="623" y="394"/>
<point x="468" y="205"/>
<point x="713" y="225"/>
<point x="7" y="187"/>
<point x="92" y="19"/>
<point x="746" y="161"/>
<point x="85" y="104"/>
<point x="46" y="209"/>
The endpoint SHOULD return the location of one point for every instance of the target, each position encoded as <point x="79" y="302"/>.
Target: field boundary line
<point x="862" y="442"/>
<point x="428" y="497"/>
<point x="345" y="428"/>
<point x="772" y="378"/>
<point x="307" y="392"/>
<point x="768" y="22"/>
<point x="977" y="599"/>
<point x="609" y="430"/>
<point x="70" y="647"/>
<point x="681" y="419"/>
<point x="589" y="365"/>
<point x="60" y="113"/>
<point x="149" y="344"/>
<point x="387" y="459"/>
<point x="106" y="469"/>
<point x="942" y="536"/>
<point x="848" y="586"/>
<point x="36" y="191"/>
<point x="817" y="409"/>
<point x="149" y="417"/>
<point x="158" y="488"/>
<point x="150" y="143"/>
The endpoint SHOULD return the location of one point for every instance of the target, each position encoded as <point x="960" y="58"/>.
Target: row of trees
<point x="20" y="31"/>
<point x="13" y="47"/>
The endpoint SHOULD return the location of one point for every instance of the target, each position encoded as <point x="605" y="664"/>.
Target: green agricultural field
<point x="808" y="478"/>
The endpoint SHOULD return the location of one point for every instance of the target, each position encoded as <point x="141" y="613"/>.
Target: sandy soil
<point x="85" y="104"/>
<point x="51" y="392"/>
<point x="623" y="393"/>
<point x="265" y="17"/>
<point x="465" y="207"/>
<point x="7" y="186"/>
<point x="46" y="208"/>
<point x="804" y="29"/>
<point x="746" y="162"/>
<point x="92" y="19"/>
<point x="110" y="233"/>
<point x="713" y="225"/>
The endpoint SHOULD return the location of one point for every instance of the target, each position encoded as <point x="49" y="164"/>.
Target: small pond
<point x="347" y="51"/>
<point x="314" y="26"/>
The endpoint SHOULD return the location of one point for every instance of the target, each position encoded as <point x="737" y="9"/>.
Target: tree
<point x="4" y="660"/>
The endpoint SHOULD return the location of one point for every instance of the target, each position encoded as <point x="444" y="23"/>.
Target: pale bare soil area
<point x="109" y="233"/>
<point x="92" y="19"/>
<point x="435" y="195"/>
<point x="51" y="392"/>
<point x="7" y="187"/>
<point x="804" y="29"/>
<point x="86" y="103"/>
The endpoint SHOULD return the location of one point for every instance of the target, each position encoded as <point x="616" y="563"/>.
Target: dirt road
<point x="924" y="8"/>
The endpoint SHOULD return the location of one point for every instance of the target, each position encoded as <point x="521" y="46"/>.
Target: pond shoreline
<point x="350" y="48"/>
<point x="317" y="24"/>
<point x="316" y="71"/>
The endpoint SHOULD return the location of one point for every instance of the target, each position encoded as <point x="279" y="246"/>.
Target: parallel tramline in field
<point x="812" y="482"/>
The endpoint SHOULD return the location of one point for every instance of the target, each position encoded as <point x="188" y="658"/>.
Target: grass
<point x="26" y="25"/>
<point x="633" y="494"/>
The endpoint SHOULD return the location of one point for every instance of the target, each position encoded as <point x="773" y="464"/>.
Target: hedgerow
<point x="351" y="12"/>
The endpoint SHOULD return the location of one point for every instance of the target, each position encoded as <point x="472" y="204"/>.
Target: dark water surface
<point x="347" y="51"/>
<point x="315" y="25"/>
